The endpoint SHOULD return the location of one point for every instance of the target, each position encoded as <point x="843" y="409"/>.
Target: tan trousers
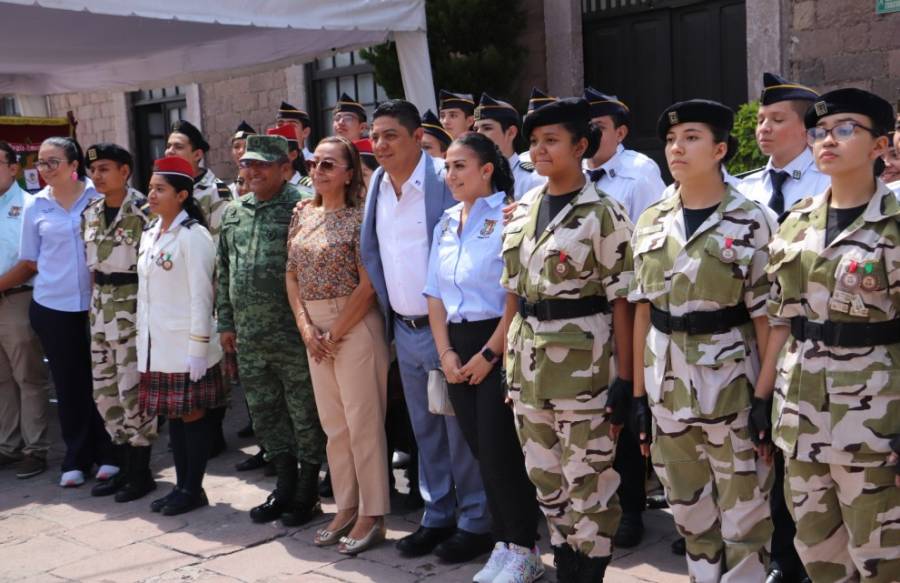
<point x="351" y="396"/>
<point x="24" y="384"/>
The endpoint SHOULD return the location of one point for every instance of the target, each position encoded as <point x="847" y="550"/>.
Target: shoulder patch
<point x="526" y="165"/>
<point x="189" y="222"/>
<point x="223" y="190"/>
<point x="743" y="175"/>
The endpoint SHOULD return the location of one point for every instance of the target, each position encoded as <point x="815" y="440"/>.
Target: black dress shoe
<point x="679" y="547"/>
<point x="252" y="463"/>
<point x="630" y="532"/>
<point x="269" y="510"/>
<point x="110" y="486"/>
<point x="464" y="546"/>
<point x="424" y="540"/>
<point x="775" y="576"/>
<point x="158" y="504"/>
<point x="184" y="501"/>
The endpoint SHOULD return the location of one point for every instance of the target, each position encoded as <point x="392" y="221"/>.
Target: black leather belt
<point x="414" y="322"/>
<point x="101" y="278"/>
<point x="713" y="322"/>
<point x="846" y="334"/>
<point x="563" y="309"/>
<point x="16" y="290"/>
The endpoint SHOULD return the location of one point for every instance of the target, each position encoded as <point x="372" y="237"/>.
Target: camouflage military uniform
<point x="699" y="385"/>
<point x="836" y="408"/>
<point x="558" y="371"/>
<point x="212" y="195"/>
<point x="114" y="249"/>
<point x="252" y="301"/>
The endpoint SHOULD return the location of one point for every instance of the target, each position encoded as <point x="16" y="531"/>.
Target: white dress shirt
<point x="631" y="178"/>
<point x="403" y="241"/>
<point x="525" y="180"/>
<point x="804" y="180"/>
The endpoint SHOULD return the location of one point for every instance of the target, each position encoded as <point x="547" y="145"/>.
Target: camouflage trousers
<point x="719" y="495"/>
<point x="848" y="521"/>
<point x="569" y="459"/>
<point x="279" y="393"/>
<point x="114" y="365"/>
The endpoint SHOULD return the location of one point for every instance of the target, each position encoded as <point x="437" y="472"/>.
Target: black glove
<point x="760" y="420"/>
<point x="618" y="398"/>
<point x="895" y="445"/>
<point x="640" y="415"/>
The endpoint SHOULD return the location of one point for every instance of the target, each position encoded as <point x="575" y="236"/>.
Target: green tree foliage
<point x="472" y="43"/>
<point x="748" y="156"/>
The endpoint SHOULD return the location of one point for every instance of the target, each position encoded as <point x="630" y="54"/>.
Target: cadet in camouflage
<point x="834" y="357"/>
<point x="567" y="268"/>
<point x="252" y="304"/>
<point x="112" y="234"/>
<point x="699" y="278"/>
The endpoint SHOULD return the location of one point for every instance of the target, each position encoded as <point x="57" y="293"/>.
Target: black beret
<point x="776" y="88"/>
<point x="852" y="100"/>
<point x="463" y="101"/>
<point x="602" y="104"/>
<point x="432" y="126"/>
<point x="349" y="105"/>
<point x="242" y="131"/>
<point x="537" y="100"/>
<point x="570" y="110"/>
<point x="288" y="111"/>
<point x="490" y="108"/>
<point x="705" y="111"/>
<point x="107" y="151"/>
<point x="193" y="134"/>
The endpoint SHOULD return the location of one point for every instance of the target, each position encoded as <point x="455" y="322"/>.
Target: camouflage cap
<point x="266" y="148"/>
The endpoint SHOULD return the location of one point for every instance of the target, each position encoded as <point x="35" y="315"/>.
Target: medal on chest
<point x="14" y="211"/>
<point x="869" y="281"/>
<point x="851" y="279"/>
<point x="728" y="254"/>
<point x="562" y="266"/>
<point x="164" y="260"/>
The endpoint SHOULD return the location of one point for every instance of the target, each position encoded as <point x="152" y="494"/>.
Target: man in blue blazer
<point x="405" y="200"/>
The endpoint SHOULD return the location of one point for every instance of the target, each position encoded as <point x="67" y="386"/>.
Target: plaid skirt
<point x="174" y="395"/>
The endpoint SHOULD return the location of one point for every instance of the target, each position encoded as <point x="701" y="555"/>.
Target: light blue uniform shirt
<point x="464" y="270"/>
<point x="11" y="206"/>
<point x="51" y="236"/>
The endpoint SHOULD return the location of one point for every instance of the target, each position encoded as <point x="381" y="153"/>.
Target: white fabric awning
<point x="59" y="46"/>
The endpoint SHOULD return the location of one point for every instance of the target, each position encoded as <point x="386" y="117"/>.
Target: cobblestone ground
<point x="48" y="534"/>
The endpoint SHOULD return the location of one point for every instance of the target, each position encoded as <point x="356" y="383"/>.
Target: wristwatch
<point x="489" y="355"/>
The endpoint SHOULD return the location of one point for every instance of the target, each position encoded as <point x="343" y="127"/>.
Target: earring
<point x="74" y="176"/>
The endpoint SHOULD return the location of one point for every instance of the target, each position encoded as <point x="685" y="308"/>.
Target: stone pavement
<point x="49" y="535"/>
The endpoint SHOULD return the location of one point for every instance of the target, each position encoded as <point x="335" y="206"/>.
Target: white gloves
<point x="196" y="367"/>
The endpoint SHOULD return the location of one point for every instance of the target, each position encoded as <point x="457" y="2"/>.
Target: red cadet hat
<point x="288" y="132"/>
<point x="175" y="166"/>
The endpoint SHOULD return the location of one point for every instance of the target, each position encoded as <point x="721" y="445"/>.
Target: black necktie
<point x="596" y="175"/>
<point x="776" y="203"/>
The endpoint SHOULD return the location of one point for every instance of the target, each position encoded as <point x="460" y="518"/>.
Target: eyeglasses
<point x="246" y="164"/>
<point x="51" y="164"/>
<point x="841" y="132"/>
<point x="323" y="165"/>
<point x="345" y="117"/>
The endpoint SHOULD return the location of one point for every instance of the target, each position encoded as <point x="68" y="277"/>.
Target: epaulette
<point x="526" y="165"/>
<point x="189" y="222"/>
<point x="97" y="200"/>
<point x="306" y="181"/>
<point x="743" y="175"/>
<point x="223" y="190"/>
<point x="151" y="224"/>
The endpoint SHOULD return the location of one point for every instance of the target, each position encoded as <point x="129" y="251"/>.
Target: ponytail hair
<point x="189" y="205"/>
<point x="72" y="150"/>
<point x="502" y="180"/>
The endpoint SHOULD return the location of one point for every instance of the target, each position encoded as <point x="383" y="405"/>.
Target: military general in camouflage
<point x="701" y="288"/>
<point x="834" y="356"/>
<point x="255" y="319"/>
<point x="567" y="259"/>
<point x="112" y="226"/>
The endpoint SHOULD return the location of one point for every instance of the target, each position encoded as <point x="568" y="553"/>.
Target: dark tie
<point x="776" y="203"/>
<point x="596" y="175"/>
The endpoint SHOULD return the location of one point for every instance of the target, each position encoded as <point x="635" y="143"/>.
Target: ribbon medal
<point x="561" y="267"/>
<point x="119" y="235"/>
<point x="869" y="280"/>
<point x="728" y="254"/>
<point x="851" y="279"/>
<point x="165" y="261"/>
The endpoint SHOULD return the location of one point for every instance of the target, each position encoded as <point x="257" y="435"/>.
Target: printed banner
<point x="25" y="135"/>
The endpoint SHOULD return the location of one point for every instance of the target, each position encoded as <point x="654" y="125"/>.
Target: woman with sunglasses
<point x="833" y="357"/>
<point x="700" y="325"/>
<point x="335" y="310"/>
<point x="52" y="246"/>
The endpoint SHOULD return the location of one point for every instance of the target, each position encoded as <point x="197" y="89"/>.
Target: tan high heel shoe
<point x="375" y="536"/>
<point x="326" y="538"/>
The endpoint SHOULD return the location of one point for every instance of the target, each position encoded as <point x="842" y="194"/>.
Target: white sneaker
<point x="494" y="565"/>
<point x="106" y="472"/>
<point x="71" y="479"/>
<point x="522" y="566"/>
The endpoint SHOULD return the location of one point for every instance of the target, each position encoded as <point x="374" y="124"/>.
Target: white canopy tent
<point x="60" y="46"/>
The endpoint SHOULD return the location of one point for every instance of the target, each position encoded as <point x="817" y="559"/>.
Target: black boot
<point x="591" y="569"/>
<point x="305" y="506"/>
<point x="197" y="442"/>
<point x="114" y="484"/>
<point x="631" y="530"/>
<point x="140" y="478"/>
<point x="215" y="418"/>
<point x="565" y="563"/>
<point x="285" y="487"/>
<point x="252" y="463"/>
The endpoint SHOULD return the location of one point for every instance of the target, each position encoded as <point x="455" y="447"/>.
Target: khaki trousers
<point x="351" y="396"/>
<point x="24" y="382"/>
